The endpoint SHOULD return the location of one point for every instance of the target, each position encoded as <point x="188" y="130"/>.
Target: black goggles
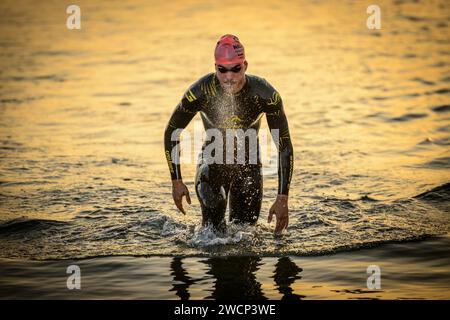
<point x="235" y="69"/>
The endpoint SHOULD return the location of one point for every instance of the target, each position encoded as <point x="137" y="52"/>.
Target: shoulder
<point x="206" y="79"/>
<point x="197" y="90"/>
<point x="194" y="97"/>
<point x="264" y="90"/>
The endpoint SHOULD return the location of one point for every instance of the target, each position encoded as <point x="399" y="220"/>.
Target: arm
<point x="189" y="105"/>
<point x="277" y="122"/>
<point x="180" y="118"/>
<point x="278" y="125"/>
<point x="178" y="121"/>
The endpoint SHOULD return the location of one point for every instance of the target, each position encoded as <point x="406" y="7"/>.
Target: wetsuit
<point x="220" y="176"/>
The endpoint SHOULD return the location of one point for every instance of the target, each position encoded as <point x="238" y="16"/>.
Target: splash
<point x="206" y="236"/>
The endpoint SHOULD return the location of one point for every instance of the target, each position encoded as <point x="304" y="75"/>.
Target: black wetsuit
<point x="241" y="182"/>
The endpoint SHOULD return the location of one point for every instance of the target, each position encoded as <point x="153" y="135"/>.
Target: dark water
<point x="411" y="270"/>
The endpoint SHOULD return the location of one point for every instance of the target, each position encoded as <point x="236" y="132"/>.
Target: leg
<point x="212" y="191"/>
<point x="246" y="195"/>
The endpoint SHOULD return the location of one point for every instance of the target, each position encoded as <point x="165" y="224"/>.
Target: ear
<point x="246" y="65"/>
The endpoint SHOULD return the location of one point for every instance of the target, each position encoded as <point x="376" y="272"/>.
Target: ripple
<point x="53" y="53"/>
<point x="438" y="163"/>
<point x="439" y="91"/>
<point x="47" y="77"/>
<point x="442" y="108"/>
<point x="408" y="117"/>
<point x="423" y="81"/>
<point x="25" y="183"/>
<point x="440" y="142"/>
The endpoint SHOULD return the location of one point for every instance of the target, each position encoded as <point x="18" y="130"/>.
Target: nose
<point x="229" y="75"/>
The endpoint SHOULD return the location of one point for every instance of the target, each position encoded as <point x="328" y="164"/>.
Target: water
<point x="82" y="115"/>
<point x="409" y="270"/>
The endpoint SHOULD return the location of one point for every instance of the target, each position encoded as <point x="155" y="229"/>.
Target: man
<point x="228" y="101"/>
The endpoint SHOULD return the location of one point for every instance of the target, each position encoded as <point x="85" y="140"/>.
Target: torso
<point x="222" y="111"/>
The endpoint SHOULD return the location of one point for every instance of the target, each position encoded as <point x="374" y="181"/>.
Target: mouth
<point x="229" y="84"/>
<point x="229" y="87"/>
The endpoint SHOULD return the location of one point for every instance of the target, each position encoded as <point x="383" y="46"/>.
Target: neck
<point x="243" y="84"/>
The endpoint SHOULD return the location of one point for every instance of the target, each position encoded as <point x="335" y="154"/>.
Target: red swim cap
<point x="229" y="50"/>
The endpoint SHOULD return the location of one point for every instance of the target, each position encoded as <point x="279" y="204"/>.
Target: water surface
<point x="82" y="115"/>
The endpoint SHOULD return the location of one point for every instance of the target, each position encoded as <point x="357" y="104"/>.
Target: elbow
<point x="171" y="134"/>
<point x="167" y="133"/>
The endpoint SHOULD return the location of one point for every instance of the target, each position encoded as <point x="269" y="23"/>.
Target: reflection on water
<point x="286" y="273"/>
<point x="235" y="278"/>
<point x="181" y="279"/>
<point x="409" y="270"/>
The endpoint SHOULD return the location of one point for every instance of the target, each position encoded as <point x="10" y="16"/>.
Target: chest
<point x="235" y="112"/>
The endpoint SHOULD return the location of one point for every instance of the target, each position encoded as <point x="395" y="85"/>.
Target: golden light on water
<point x="108" y="89"/>
<point x="119" y="77"/>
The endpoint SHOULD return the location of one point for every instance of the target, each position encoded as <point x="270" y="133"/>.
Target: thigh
<point x="211" y="189"/>
<point x="246" y="194"/>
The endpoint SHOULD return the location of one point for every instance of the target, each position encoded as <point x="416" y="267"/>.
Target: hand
<point x="179" y="190"/>
<point x="280" y="210"/>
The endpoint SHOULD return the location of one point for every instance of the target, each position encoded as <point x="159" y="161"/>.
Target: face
<point x="231" y="76"/>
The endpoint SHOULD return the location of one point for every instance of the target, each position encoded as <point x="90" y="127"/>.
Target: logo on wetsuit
<point x="274" y="100"/>
<point x="233" y="122"/>
<point x="190" y="96"/>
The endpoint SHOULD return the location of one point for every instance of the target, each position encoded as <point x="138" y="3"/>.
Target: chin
<point x="229" y="89"/>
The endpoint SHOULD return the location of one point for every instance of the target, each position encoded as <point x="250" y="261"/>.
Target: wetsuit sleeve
<point x="189" y="105"/>
<point x="278" y="125"/>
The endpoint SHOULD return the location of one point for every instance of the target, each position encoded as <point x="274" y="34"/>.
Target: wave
<point x="439" y="193"/>
<point x="26" y="225"/>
